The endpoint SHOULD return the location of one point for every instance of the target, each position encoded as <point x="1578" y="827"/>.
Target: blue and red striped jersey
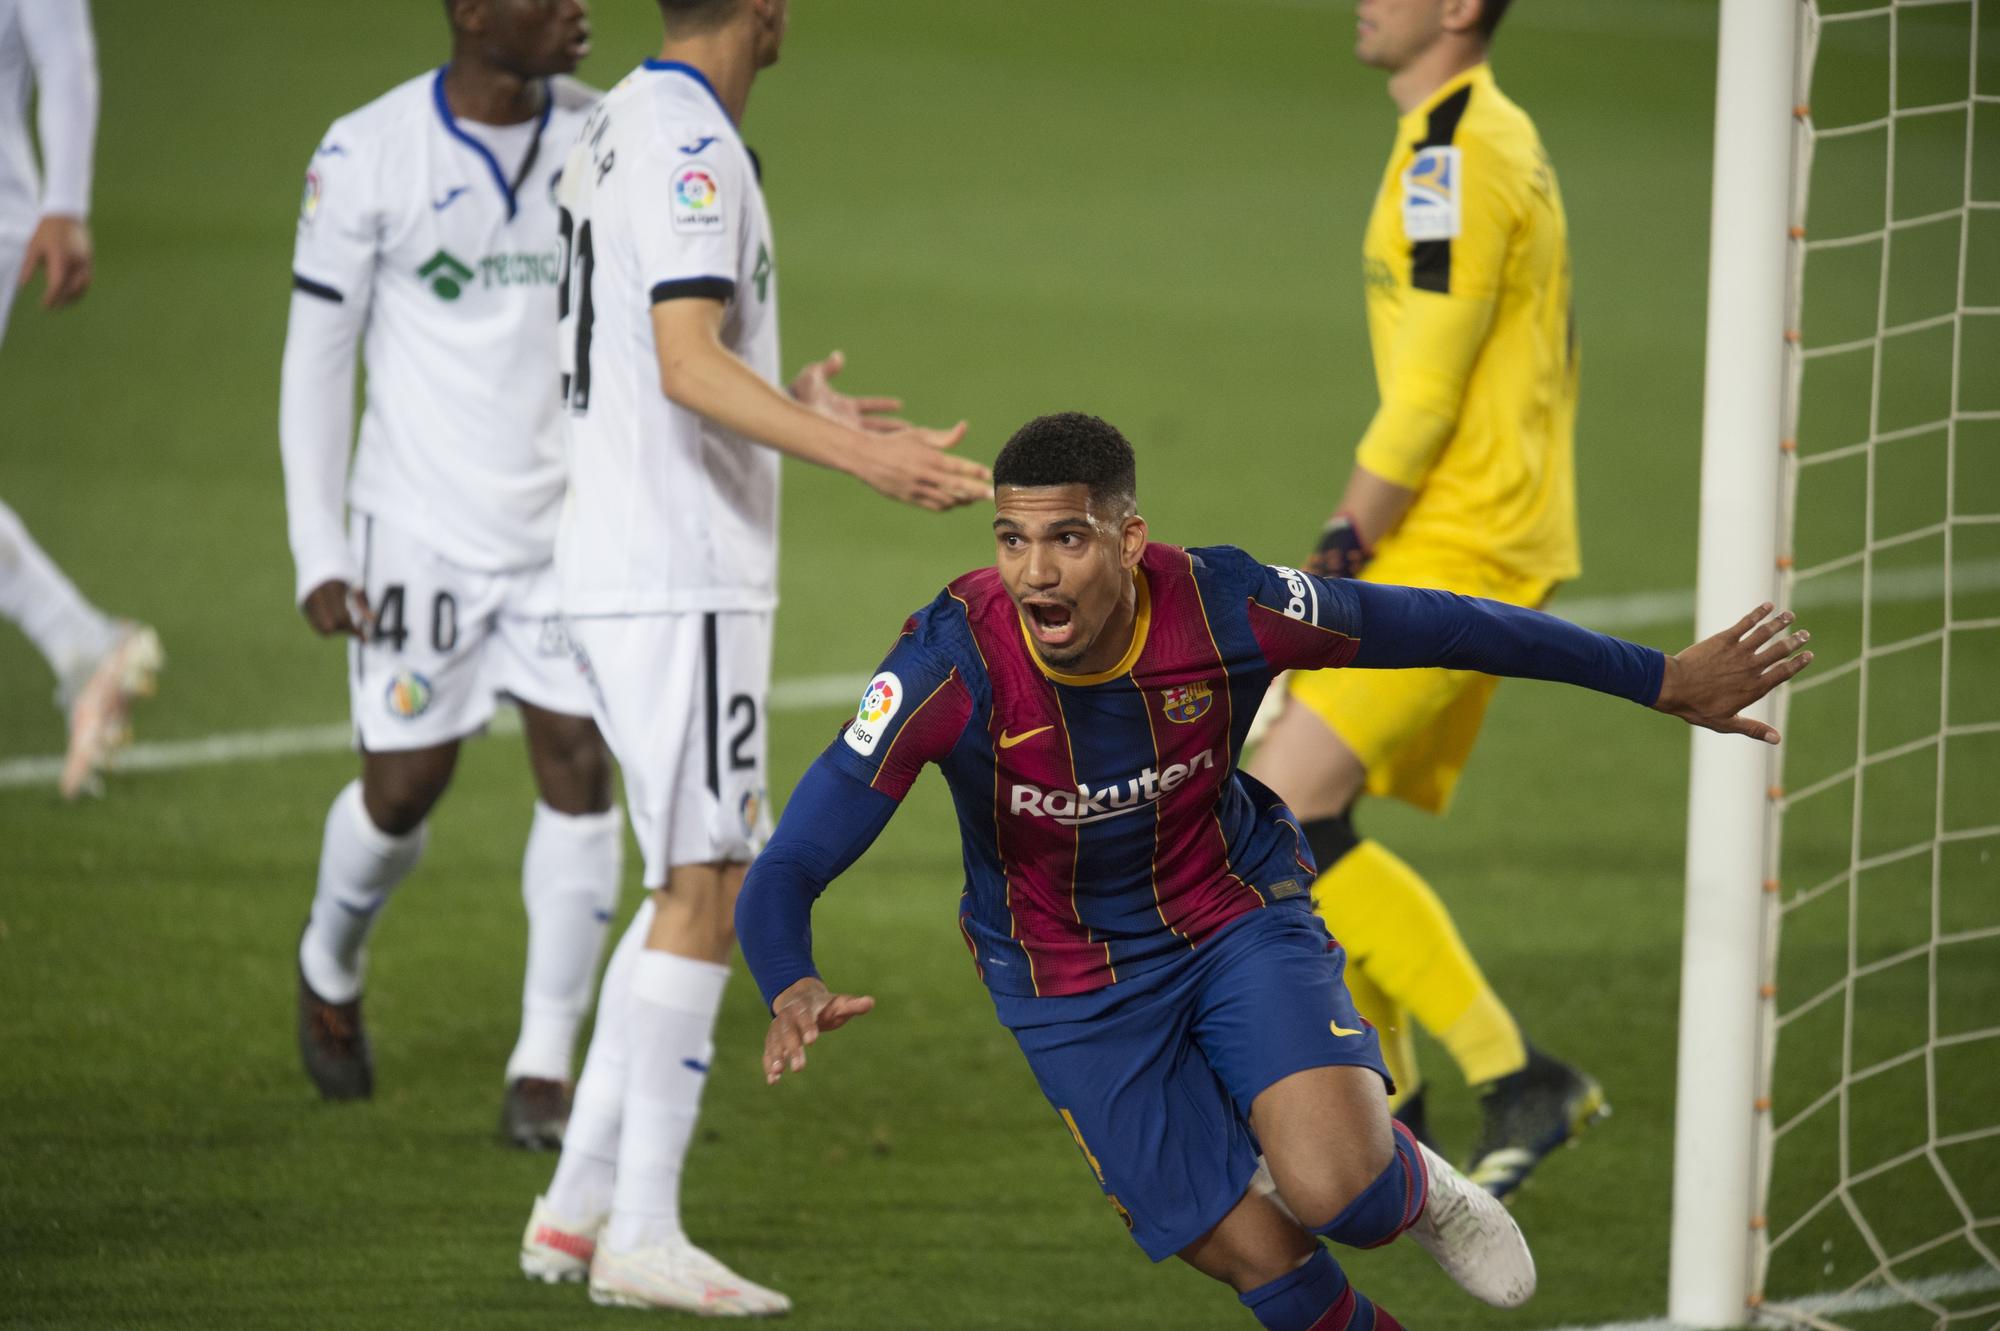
<point x="1106" y="828"/>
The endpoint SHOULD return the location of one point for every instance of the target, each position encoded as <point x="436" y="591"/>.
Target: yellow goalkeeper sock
<point x="1399" y="936"/>
<point x="1392" y="1024"/>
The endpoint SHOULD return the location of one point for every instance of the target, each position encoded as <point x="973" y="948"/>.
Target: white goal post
<point x="1837" y="1145"/>
<point x="1742" y="414"/>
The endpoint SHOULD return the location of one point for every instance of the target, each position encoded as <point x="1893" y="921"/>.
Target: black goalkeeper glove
<point x="1341" y="553"/>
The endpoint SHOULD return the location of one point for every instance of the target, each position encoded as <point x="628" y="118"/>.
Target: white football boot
<point x="554" y="1249"/>
<point x="100" y="708"/>
<point x="681" y="1276"/>
<point x="1473" y="1237"/>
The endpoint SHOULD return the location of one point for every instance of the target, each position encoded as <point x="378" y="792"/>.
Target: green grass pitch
<point x="1149" y="209"/>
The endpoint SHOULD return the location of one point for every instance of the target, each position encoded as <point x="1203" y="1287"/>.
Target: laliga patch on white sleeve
<point x="881" y="702"/>
<point x="1430" y="195"/>
<point x="697" y="200"/>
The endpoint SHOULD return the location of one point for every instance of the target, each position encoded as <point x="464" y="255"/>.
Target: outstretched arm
<point x="1708" y="684"/>
<point x="832" y="818"/>
<point x="907" y="463"/>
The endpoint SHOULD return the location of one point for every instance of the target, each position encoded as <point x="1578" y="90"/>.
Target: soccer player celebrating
<point x="101" y="664"/>
<point x="1463" y="481"/>
<point x="668" y="559"/>
<point x="1138" y="907"/>
<point x="428" y="237"/>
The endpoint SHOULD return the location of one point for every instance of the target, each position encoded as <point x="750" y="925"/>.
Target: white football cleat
<point x="100" y="711"/>
<point x="555" y="1250"/>
<point x="1473" y="1237"/>
<point x="681" y="1276"/>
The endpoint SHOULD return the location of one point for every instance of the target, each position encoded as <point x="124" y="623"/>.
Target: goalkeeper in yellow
<point x="1463" y="481"/>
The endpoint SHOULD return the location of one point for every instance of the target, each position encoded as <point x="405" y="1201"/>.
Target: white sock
<point x="359" y="864"/>
<point x="71" y="632"/>
<point x="671" y="1011"/>
<point x="581" y="1189"/>
<point x="569" y="882"/>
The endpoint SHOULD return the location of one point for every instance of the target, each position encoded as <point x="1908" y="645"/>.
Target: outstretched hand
<point x="798" y="1017"/>
<point x="814" y="388"/>
<point x="908" y="463"/>
<point x="911" y="465"/>
<point x="1710" y="683"/>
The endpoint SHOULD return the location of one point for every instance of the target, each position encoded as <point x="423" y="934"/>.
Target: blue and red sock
<point x="1316" y="1297"/>
<point x="1389" y="1205"/>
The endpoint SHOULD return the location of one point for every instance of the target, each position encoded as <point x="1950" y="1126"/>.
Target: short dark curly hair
<point x="1071" y="448"/>
<point x="1490" y="14"/>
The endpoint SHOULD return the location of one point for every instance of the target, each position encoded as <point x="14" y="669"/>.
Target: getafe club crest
<point x="409" y="695"/>
<point x="1185" y="703"/>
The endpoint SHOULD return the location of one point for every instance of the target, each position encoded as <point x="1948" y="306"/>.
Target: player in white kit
<point x="101" y="664"/>
<point x="668" y="559"/>
<point x="428" y="237"/>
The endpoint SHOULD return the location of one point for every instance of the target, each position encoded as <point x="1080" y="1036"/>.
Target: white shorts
<point x="681" y="700"/>
<point x="450" y="642"/>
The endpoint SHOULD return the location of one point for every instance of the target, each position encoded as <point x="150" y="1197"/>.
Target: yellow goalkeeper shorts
<point x="1414" y="729"/>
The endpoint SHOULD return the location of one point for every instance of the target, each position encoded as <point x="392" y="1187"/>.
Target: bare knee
<point x="1322" y="1189"/>
<point x="694" y="912"/>
<point x="1326" y="1138"/>
<point x="572" y="765"/>
<point x="400" y="789"/>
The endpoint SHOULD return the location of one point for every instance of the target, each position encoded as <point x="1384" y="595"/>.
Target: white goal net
<point x="1878" y="1139"/>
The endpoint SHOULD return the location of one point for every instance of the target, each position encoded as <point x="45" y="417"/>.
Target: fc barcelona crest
<point x="1186" y="702"/>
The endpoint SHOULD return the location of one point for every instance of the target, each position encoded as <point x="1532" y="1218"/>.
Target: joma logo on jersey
<point x="1186" y="703"/>
<point x="1074" y="808"/>
<point x="446" y="275"/>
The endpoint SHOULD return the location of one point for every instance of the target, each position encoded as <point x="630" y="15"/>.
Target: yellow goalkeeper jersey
<point x="1467" y="269"/>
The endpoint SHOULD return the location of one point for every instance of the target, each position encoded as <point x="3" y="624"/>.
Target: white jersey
<point x="667" y="512"/>
<point x="438" y="239"/>
<point x="45" y="48"/>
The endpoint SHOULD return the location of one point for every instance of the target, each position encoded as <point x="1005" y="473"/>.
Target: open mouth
<point x="1052" y="623"/>
<point x="579" y="43"/>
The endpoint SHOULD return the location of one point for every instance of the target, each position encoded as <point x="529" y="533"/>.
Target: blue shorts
<point x="1154" y="1076"/>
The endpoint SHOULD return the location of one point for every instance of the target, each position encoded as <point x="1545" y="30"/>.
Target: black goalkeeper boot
<point x="1527" y="1114"/>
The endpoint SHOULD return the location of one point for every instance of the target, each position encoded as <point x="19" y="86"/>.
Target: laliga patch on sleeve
<point x="879" y="706"/>
<point x="309" y="200"/>
<point x="1430" y="195"/>
<point x="697" y="200"/>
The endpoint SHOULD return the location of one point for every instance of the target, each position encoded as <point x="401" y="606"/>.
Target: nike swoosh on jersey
<point x="450" y="197"/>
<point x="1339" y="1029"/>
<point x="1008" y="741"/>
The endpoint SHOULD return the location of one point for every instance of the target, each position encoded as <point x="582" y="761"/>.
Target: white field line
<point x="1931" y="1289"/>
<point x="816" y="692"/>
